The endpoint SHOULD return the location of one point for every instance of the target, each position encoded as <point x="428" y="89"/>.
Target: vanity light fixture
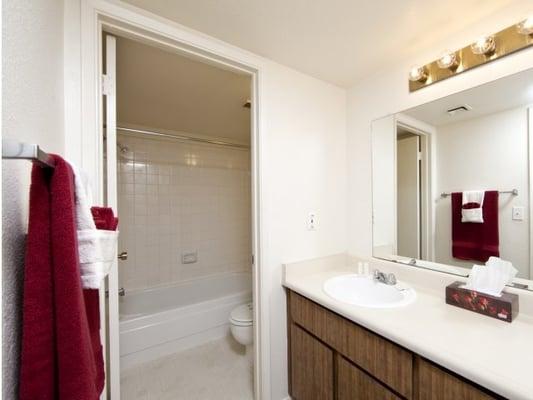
<point x="418" y="74"/>
<point x="485" y="46"/>
<point x="449" y="60"/>
<point x="525" y="27"/>
<point x="486" y="49"/>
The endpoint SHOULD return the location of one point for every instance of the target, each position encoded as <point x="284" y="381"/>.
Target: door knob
<point x="123" y="255"/>
<point x="121" y="292"/>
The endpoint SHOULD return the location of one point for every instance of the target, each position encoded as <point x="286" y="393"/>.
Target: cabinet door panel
<point x="436" y="384"/>
<point x="354" y="384"/>
<point x="388" y="362"/>
<point x="311" y="367"/>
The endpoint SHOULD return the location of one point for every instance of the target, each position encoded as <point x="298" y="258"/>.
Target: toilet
<point x="241" y="324"/>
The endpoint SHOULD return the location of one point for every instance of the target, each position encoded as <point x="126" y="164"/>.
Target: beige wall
<point x="166" y="91"/>
<point x="485" y="153"/>
<point x="32" y="97"/>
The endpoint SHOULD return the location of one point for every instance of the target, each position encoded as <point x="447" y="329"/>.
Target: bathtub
<point x="160" y="321"/>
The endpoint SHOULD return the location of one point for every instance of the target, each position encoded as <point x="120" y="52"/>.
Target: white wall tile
<point x="175" y="198"/>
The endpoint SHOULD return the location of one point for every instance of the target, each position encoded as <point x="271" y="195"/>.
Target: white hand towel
<point x="473" y="215"/>
<point x="97" y="248"/>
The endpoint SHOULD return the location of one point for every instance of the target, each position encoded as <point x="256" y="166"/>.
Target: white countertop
<point x="495" y="354"/>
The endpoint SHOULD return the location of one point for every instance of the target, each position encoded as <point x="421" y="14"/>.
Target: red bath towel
<point x="476" y="241"/>
<point x="58" y="360"/>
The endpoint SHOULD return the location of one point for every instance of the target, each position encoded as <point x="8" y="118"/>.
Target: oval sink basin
<point x="363" y="290"/>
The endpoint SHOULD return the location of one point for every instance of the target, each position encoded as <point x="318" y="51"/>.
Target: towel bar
<point x="514" y="192"/>
<point x="12" y="150"/>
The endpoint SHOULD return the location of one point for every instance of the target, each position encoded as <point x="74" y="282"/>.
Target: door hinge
<point x="108" y="85"/>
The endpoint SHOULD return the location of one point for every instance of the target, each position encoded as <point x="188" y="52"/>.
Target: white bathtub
<point x="161" y="321"/>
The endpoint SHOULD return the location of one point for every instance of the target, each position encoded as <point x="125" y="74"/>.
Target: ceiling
<point x="502" y="94"/>
<point x="338" y="41"/>
<point x="162" y="90"/>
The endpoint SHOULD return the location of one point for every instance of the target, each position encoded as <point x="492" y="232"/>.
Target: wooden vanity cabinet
<point x="331" y="357"/>
<point x="311" y="367"/>
<point x="437" y="384"/>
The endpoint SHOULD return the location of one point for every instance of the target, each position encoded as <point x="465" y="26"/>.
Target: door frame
<point x="85" y="22"/>
<point x="426" y="133"/>
<point x="420" y="195"/>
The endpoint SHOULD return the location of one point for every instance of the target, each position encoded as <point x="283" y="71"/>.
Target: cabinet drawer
<point x="436" y="384"/>
<point x="386" y="361"/>
<point x="311" y="367"/>
<point x="354" y="384"/>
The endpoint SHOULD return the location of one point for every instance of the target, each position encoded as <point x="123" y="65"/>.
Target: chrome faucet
<point x="387" y="279"/>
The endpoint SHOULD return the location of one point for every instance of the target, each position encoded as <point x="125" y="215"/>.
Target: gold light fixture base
<point x="507" y="41"/>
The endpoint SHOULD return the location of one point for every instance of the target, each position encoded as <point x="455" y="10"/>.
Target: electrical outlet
<point x="189" y="258"/>
<point x="311" y="222"/>
<point x="518" y="213"/>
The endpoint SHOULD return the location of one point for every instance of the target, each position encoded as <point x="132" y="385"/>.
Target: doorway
<point x="179" y="169"/>
<point x="412" y="192"/>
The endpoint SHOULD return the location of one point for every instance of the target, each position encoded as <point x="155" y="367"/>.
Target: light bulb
<point x="525" y="27"/>
<point x="448" y="60"/>
<point x="418" y="74"/>
<point x="485" y="45"/>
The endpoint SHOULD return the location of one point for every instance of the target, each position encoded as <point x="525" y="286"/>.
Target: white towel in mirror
<point x="475" y="214"/>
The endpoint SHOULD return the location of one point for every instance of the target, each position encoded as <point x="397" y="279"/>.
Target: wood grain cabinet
<point x="311" y="367"/>
<point x="331" y="357"/>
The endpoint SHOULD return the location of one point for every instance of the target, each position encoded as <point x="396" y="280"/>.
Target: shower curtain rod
<point x="183" y="137"/>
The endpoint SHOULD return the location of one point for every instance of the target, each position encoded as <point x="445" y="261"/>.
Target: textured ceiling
<point x="165" y="91"/>
<point x="339" y="41"/>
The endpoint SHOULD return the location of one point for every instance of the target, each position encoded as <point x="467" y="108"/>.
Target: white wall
<point x="386" y="92"/>
<point x="490" y="153"/>
<point x="178" y="197"/>
<point x="32" y="97"/>
<point x="302" y="155"/>
<point x="384" y="186"/>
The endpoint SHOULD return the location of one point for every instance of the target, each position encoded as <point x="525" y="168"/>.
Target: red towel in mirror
<point x="58" y="360"/>
<point x="476" y="242"/>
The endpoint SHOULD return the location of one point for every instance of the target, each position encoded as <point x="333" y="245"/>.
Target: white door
<point x="408" y="196"/>
<point x="112" y="312"/>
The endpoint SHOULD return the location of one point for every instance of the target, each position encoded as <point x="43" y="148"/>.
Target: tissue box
<point x="504" y="308"/>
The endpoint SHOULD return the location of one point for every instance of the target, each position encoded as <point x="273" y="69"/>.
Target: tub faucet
<point x="387" y="279"/>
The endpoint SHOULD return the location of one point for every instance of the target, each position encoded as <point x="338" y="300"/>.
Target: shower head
<point x="123" y="149"/>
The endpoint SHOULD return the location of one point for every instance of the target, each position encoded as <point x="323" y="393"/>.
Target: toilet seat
<point x="242" y="315"/>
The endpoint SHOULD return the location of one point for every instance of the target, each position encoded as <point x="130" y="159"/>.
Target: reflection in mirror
<point x="451" y="179"/>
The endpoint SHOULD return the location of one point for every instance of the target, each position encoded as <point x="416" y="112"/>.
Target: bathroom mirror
<point x="451" y="180"/>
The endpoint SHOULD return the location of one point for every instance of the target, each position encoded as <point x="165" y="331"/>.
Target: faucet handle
<point x="391" y="279"/>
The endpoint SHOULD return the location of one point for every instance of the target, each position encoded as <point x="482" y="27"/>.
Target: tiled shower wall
<point x="179" y="197"/>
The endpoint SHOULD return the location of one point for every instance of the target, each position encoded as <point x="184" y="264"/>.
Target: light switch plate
<point x="311" y="221"/>
<point x="518" y="213"/>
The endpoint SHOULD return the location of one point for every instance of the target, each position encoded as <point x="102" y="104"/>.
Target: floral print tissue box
<point x="504" y="308"/>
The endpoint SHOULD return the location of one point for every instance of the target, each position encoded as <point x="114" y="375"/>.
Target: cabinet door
<point x="388" y="362"/>
<point x="311" y="367"/>
<point x="436" y="384"/>
<point x="354" y="384"/>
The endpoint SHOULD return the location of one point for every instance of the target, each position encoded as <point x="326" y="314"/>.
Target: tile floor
<point x="218" y="370"/>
